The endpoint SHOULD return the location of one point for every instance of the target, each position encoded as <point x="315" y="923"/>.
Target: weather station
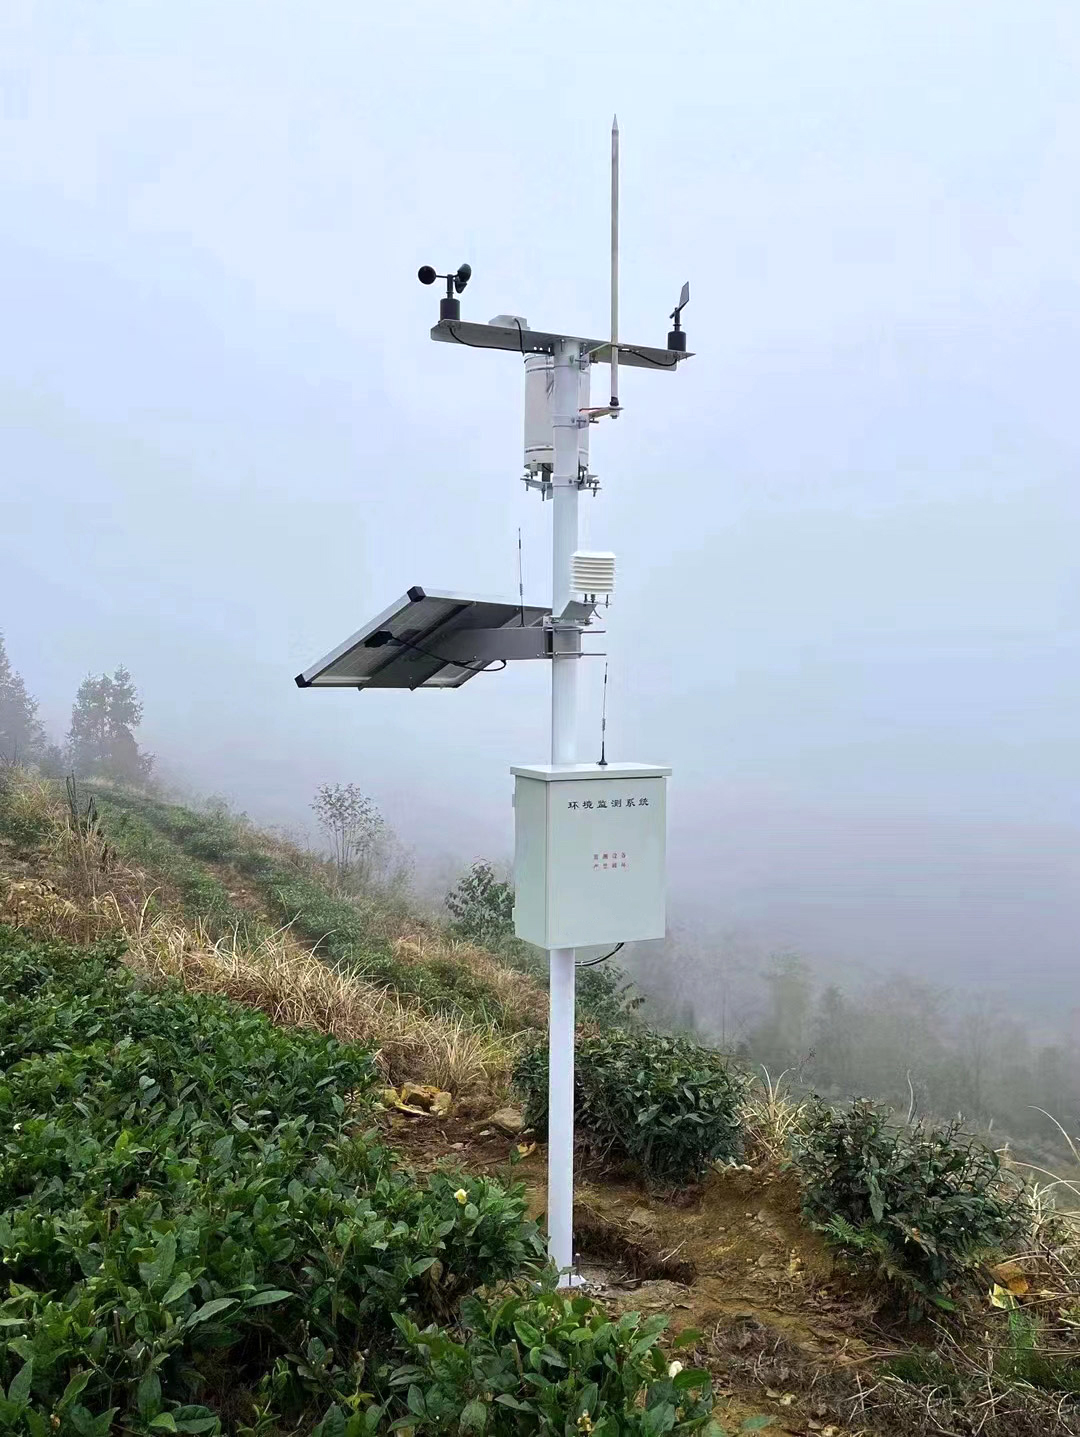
<point x="590" y="838"/>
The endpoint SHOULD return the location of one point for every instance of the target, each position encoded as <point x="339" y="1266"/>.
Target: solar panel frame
<point x="417" y="619"/>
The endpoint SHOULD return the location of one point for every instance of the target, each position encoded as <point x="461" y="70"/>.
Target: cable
<point x="471" y="345"/>
<point x="450" y="327"/>
<point x="659" y="363"/>
<point x="594" y="961"/>
<point x="455" y="663"/>
<point x="603" y="725"/>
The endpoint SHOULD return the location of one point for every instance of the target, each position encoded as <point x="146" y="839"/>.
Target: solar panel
<point x="430" y="640"/>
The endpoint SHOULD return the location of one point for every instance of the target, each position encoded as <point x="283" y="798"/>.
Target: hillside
<point x="221" y="1205"/>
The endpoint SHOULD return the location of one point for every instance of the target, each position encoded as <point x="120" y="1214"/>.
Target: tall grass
<point x="359" y="934"/>
<point x="78" y="881"/>
<point x="289" y="983"/>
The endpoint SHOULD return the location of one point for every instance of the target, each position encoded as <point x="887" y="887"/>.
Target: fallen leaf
<point x="1010" y="1276"/>
<point x="526" y="1150"/>
<point x="425" y="1099"/>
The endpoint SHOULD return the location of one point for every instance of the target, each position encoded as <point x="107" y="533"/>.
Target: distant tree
<point x="904" y="1031"/>
<point x="355" y="828"/>
<point x="481" y="906"/>
<point x="1055" y="1085"/>
<point x="977" y="1041"/>
<point x="833" y="1038"/>
<point x="101" y="741"/>
<point x="53" y="761"/>
<point x="22" y="738"/>
<point x="782" y="1039"/>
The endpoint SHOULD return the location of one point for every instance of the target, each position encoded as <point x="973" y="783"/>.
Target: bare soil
<point x="784" y="1330"/>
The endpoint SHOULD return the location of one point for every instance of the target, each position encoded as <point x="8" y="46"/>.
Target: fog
<point x="848" y="603"/>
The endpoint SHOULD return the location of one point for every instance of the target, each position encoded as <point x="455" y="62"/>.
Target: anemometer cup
<point x="450" y="307"/>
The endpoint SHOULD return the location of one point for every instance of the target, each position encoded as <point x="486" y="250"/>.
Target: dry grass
<point x="522" y="998"/>
<point x="1054" y="1221"/>
<point x="30" y="799"/>
<point x="76" y="890"/>
<point x="295" y="988"/>
<point x="772" y="1117"/>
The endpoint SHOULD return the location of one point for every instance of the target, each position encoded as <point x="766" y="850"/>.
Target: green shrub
<point x="538" y="1363"/>
<point x="481" y="906"/>
<point x="186" y="1203"/>
<point x="605" y="995"/>
<point x="916" y="1205"/>
<point x="667" y="1105"/>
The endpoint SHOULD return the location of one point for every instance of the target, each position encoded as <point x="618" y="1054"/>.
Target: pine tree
<point x="101" y="740"/>
<point x="22" y="738"/>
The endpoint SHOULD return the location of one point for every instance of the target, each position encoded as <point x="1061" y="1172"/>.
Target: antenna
<point x="615" y="263"/>
<point x="521" y="582"/>
<point x="603" y="724"/>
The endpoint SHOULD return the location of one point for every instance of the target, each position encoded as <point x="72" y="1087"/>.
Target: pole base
<point x="571" y="1282"/>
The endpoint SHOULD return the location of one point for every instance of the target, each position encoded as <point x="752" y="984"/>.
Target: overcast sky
<point x="848" y="604"/>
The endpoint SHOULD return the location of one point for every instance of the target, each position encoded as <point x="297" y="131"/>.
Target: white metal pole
<point x="566" y="403"/>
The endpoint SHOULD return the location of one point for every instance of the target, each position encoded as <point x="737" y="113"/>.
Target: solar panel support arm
<point x="486" y="646"/>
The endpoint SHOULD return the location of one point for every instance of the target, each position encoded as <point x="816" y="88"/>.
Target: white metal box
<point x="589" y="853"/>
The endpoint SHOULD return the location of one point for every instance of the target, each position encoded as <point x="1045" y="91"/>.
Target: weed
<point x="296" y="894"/>
<point x="202" y="895"/>
<point x="773" y="1119"/>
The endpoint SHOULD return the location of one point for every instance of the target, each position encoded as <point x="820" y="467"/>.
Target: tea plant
<point x="182" y="1187"/>
<point x="665" y="1104"/>
<point x="915" y="1206"/>
<point x="543" y="1363"/>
